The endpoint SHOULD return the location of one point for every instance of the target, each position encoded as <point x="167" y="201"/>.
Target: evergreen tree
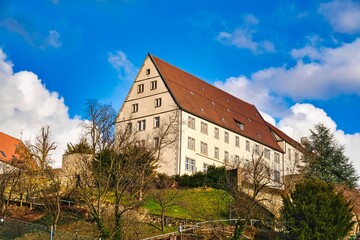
<point x="325" y="158"/>
<point x="315" y="211"/>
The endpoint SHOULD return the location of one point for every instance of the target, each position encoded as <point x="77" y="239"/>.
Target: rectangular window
<point x="135" y="107"/>
<point x="158" y="102"/>
<point x="205" y="167"/>
<point x="226" y="156"/>
<point x="267" y="153"/>
<point x="204" y="128"/>
<point x="237" y="159"/>
<point x="156" y="122"/>
<point x="191" y="122"/>
<point x="148" y="71"/>
<point x="257" y="150"/>
<point x="226" y="137"/>
<point x="140" y="88"/>
<point x="216" y="153"/>
<point x="187" y="164"/>
<point x="129" y="127"/>
<point x="237" y="141"/>
<point x="216" y="133"/>
<point x="277" y="157"/>
<point x="156" y="142"/>
<point x="276" y="176"/>
<point x="204" y="148"/>
<point x="141" y="125"/>
<point x="191" y="143"/>
<point x="153" y="85"/>
<point x="289" y="151"/>
<point x="296" y="157"/>
<point x="247" y="145"/>
<point x="190" y="165"/>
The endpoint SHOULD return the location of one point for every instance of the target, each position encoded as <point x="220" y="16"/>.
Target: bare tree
<point x="41" y="149"/>
<point x="254" y="191"/>
<point x="121" y="164"/>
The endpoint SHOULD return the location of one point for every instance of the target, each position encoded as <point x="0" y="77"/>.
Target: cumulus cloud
<point x="250" y="91"/>
<point x="123" y="66"/>
<point x="327" y="72"/>
<point x="343" y="16"/>
<point x="243" y="37"/>
<point x="52" y="39"/>
<point x="26" y="106"/>
<point x="303" y="117"/>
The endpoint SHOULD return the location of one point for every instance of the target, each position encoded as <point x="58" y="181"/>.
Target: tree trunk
<point x="162" y="219"/>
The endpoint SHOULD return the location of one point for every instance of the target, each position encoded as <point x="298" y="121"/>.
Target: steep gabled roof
<point x="199" y="98"/>
<point x="8" y="146"/>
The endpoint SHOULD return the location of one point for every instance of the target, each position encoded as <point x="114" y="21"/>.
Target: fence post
<point x="51" y="232"/>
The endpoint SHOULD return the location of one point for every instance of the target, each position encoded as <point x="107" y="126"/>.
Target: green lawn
<point x="198" y="204"/>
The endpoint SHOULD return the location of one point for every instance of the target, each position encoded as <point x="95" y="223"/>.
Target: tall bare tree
<point x="42" y="148"/>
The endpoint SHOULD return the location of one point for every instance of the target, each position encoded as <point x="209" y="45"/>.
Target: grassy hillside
<point x="198" y="204"/>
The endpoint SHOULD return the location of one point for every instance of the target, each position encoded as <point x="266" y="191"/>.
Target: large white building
<point x="212" y="126"/>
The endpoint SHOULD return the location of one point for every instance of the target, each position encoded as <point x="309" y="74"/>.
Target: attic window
<point x="191" y="93"/>
<point x="249" y="119"/>
<point x="240" y="125"/>
<point x="228" y="110"/>
<point x="227" y="100"/>
<point x="212" y="103"/>
<point x="3" y="153"/>
<point x="148" y="71"/>
<point x="202" y="109"/>
<point x="259" y="135"/>
<point x="202" y="88"/>
<point x="222" y="119"/>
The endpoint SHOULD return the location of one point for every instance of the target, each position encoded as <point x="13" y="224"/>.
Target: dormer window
<point x="240" y="125"/>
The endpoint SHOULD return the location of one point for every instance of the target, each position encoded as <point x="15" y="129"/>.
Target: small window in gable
<point x="135" y="108"/>
<point x="153" y="85"/>
<point x="148" y="71"/>
<point x="158" y="102"/>
<point x="140" y="88"/>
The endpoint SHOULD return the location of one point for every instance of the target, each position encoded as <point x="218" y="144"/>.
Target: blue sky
<point x="297" y="61"/>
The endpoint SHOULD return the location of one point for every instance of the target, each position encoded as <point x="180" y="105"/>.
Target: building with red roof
<point x="212" y="126"/>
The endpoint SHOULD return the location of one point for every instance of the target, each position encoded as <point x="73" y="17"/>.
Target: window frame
<point x="156" y="122"/>
<point x="134" y="107"/>
<point x="141" y="125"/>
<point x="140" y="88"/>
<point x="153" y="85"/>
<point x="157" y="102"/>
<point x="204" y="127"/>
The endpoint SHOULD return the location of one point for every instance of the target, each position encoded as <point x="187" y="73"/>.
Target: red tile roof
<point x="8" y="146"/>
<point x="202" y="99"/>
<point x="285" y="137"/>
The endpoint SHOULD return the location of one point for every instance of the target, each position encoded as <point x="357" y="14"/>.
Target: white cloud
<point x="250" y="91"/>
<point x="243" y="38"/>
<point x="53" y="39"/>
<point x="343" y="16"/>
<point x="330" y="72"/>
<point x="303" y="117"/>
<point x="26" y="106"/>
<point x="121" y="63"/>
